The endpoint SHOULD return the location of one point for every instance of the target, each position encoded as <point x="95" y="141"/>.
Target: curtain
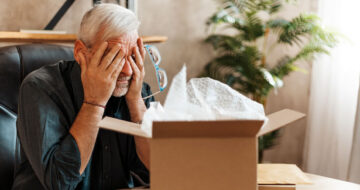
<point x="334" y="94"/>
<point x="354" y="166"/>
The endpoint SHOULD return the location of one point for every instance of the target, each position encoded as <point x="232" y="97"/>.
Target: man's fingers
<point x="109" y="57"/>
<point x="118" y="69"/>
<point x="134" y="67"/>
<point x="141" y="48"/>
<point x="118" y="59"/>
<point x="116" y="63"/>
<point x="95" y="61"/>
<point x="133" y="64"/>
<point x="138" y="58"/>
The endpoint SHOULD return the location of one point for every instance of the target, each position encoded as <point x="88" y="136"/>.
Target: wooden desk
<point x="325" y="183"/>
<point x="320" y="183"/>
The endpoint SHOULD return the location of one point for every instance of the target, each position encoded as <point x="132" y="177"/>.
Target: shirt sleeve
<point x="43" y="130"/>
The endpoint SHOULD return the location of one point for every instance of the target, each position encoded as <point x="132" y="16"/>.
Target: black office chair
<point x="15" y="63"/>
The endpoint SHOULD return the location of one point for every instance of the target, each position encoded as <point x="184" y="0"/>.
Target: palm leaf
<point x="283" y="67"/>
<point x="275" y="7"/>
<point x="323" y="36"/>
<point x="277" y="23"/>
<point x="253" y="27"/>
<point x="309" y="51"/>
<point x="297" y="27"/>
<point x="225" y="42"/>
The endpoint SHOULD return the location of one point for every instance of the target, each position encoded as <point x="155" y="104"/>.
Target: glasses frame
<point x="158" y="70"/>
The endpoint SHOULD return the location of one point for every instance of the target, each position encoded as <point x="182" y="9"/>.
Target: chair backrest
<point x="15" y="63"/>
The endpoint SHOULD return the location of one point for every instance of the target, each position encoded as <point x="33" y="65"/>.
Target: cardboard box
<point x="204" y="154"/>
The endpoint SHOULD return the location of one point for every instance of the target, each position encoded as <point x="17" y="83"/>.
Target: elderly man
<point x="61" y="146"/>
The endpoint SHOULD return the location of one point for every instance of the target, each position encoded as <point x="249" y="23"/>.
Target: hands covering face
<point x="99" y="73"/>
<point x="137" y="65"/>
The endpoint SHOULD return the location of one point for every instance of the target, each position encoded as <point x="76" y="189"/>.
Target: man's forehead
<point x="129" y="39"/>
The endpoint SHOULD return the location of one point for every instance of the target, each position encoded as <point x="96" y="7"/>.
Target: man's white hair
<point x="113" y="19"/>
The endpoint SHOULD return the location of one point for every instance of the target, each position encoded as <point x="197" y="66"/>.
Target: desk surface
<point x="321" y="183"/>
<point x="325" y="183"/>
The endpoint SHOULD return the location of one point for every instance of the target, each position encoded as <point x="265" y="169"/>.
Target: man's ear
<point x="79" y="47"/>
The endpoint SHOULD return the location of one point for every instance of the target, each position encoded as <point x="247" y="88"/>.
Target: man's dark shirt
<point x="49" y="158"/>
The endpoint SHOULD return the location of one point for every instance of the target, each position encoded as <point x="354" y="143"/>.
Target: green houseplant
<point x="242" y="55"/>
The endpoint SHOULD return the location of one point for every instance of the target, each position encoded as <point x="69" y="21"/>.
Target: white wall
<point x="183" y="22"/>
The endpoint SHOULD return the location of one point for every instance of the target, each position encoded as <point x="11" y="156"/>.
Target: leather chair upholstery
<point x="15" y="63"/>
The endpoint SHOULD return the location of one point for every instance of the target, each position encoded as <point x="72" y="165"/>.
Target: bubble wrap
<point x="202" y="99"/>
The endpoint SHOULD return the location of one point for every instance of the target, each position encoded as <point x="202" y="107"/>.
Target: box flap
<point x="216" y="129"/>
<point x="280" y="119"/>
<point x="122" y="127"/>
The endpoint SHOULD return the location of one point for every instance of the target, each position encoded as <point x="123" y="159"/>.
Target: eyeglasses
<point x="161" y="76"/>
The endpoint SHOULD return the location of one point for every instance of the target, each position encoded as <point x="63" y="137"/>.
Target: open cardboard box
<point x="204" y="154"/>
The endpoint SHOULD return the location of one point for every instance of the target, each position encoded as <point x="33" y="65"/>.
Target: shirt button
<point x="107" y="176"/>
<point x="106" y="147"/>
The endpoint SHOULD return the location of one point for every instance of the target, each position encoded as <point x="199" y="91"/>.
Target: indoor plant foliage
<point x="242" y="56"/>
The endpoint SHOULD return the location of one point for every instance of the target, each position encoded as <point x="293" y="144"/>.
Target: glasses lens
<point x="155" y="55"/>
<point x="162" y="79"/>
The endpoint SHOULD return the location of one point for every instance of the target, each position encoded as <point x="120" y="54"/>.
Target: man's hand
<point x="99" y="74"/>
<point x="137" y="65"/>
<point x="135" y="102"/>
